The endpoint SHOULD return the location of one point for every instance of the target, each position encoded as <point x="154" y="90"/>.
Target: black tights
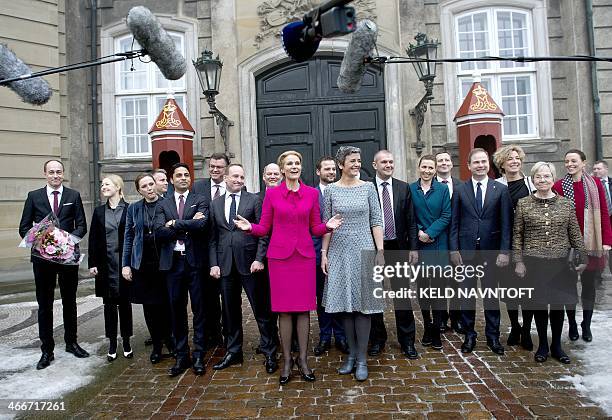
<point x="357" y="330"/>
<point x="513" y="314"/>
<point x="556" y="326"/>
<point x="587" y="297"/>
<point x="285" y="321"/>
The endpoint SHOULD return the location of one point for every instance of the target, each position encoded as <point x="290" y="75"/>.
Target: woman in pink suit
<point x="291" y="212"/>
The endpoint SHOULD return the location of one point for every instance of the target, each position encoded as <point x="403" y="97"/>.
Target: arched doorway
<point x="299" y="107"/>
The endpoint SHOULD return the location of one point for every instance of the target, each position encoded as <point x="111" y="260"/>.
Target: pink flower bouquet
<point x="51" y="243"/>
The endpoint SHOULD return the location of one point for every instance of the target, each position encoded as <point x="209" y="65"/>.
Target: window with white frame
<point x="503" y="32"/>
<point x="140" y="92"/>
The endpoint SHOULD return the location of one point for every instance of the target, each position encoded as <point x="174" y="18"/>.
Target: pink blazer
<point x="293" y="218"/>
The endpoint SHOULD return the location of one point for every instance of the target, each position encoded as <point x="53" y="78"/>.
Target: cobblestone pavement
<point x="439" y="385"/>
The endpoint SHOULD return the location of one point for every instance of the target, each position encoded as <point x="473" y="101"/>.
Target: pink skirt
<point x="293" y="283"/>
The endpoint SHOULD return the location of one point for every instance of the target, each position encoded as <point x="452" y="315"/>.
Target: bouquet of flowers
<point x="51" y="243"/>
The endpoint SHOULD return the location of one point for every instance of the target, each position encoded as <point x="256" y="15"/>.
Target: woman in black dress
<point x="509" y="160"/>
<point x="141" y="265"/>
<point x="104" y="258"/>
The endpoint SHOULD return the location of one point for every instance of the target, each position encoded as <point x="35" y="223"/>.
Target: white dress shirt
<point x="449" y="184"/>
<point x="228" y="204"/>
<point x="213" y="189"/>
<point x="178" y="246"/>
<point x="50" y="195"/>
<point x="379" y="188"/>
<point x="322" y="188"/>
<point x="483" y="187"/>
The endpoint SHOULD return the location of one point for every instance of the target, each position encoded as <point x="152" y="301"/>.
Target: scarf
<point x="592" y="215"/>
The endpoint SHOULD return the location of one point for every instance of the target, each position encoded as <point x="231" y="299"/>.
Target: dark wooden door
<point x="299" y="107"/>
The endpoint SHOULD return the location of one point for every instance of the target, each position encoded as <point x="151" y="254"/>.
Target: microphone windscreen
<point x="35" y="91"/>
<point x="353" y="66"/>
<point x="152" y="37"/>
<point x="297" y="47"/>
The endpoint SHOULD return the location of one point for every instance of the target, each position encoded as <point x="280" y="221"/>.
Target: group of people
<point x="294" y="249"/>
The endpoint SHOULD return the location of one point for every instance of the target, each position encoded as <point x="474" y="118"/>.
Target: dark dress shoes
<point x="514" y="338"/>
<point x="228" y="360"/>
<point x="75" y="349"/>
<point x="436" y="342"/>
<point x="155" y="357"/>
<point x="561" y="357"/>
<point x="426" y="340"/>
<point x="573" y="331"/>
<point x="410" y="352"/>
<point x="198" y="366"/>
<point x="586" y="332"/>
<point x="111" y="357"/>
<point x="45" y="360"/>
<point x="342" y="345"/>
<point x="180" y="366"/>
<point x="495" y="346"/>
<point x="284" y="380"/>
<point x="308" y="377"/>
<point x="468" y="344"/>
<point x="271" y="364"/>
<point x="321" y="348"/>
<point x="376" y="349"/>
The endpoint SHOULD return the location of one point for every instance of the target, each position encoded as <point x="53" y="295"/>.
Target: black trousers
<point x="157" y="317"/>
<point x="118" y="310"/>
<point x="45" y="277"/>
<point x="211" y="296"/>
<point x="231" y="295"/>
<point x="185" y="282"/>
<point x="404" y="318"/>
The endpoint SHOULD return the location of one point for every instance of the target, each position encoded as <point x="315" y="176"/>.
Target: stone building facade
<point x="276" y="104"/>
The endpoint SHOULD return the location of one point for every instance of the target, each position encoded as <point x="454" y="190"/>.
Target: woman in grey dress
<point x="349" y="287"/>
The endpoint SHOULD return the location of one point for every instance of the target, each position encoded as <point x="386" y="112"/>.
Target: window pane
<point x="134" y="124"/>
<point x="465" y="24"/>
<point x="473" y="36"/>
<point x="129" y="126"/>
<point x="523" y="125"/>
<point x="503" y="20"/>
<point x="522" y="86"/>
<point x="507" y="87"/>
<point x="130" y="146"/>
<point x="516" y="104"/>
<point x="512" y="37"/>
<point x="132" y="73"/>
<point x="480" y="21"/>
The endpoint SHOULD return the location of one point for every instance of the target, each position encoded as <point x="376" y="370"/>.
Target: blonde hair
<point x="539" y="165"/>
<point x="281" y="159"/>
<point x="501" y="156"/>
<point x="117" y="181"/>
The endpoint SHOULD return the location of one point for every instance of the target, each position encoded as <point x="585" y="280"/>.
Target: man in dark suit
<point x="180" y="222"/>
<point x="329" y="324"/>
<point x="234" y="258"/>
<point x="271" y="178"/>
<point x="66" y="204"/>
<point x="161" y="182"/>
<point x="400" y="233"/>
<point x="600" y="170"/>
<point x="211" y="188"/>
<point x="444" y="166"/>
<point x="481" y="221"/>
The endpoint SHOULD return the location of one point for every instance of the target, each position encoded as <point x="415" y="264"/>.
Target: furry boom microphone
<point x="35" y="91"/>
<point x="353" y="64"/>
<point x="155" y="40"/>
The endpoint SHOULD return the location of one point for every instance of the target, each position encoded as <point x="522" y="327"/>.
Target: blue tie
<point x="478" y="197"/>
<point x="232" y="212"/>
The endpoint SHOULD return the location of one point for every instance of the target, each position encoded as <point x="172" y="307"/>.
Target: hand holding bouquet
<point x="51" y="243"/>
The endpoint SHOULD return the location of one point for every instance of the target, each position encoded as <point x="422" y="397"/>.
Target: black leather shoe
<point x="179" y="367"/>
<point x="75" y="349"/>
<point x="561" y="357"/>
<point x="457" y="327"/>
<point x="308" y="377"/>
<point x="198" y="366"/>
<point x="171" y="348"/>
<point x="586" y="332"/>
<point x="573" y="332"/>
<point x="376" y="349"/>
<point x="45" y="360"/>
<point x="468" y="344"/>
<point x="514" y="338"/>
<point x="410" y="352"/>
<point x="228" y="360"/>
<point x="436" y="342"/>
<point x="284" y="380"/>
<point x="321" y="348"/>
<point x="426" y="340"/>
<point x="271" y="364"/>
<point x="495" y="346"/>
<point x="155" y="357"/>
<point x="342" y="345"/>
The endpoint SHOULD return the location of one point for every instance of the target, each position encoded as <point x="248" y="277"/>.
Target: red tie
<point x="55" y="202"/>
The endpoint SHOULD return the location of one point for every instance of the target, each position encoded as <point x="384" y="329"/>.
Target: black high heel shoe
<point x="284" y="380"/>
<point x="308" y="377"/>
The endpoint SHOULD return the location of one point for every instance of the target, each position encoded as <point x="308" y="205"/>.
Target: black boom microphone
<point x="301" y="39"/>
<point x="156" y="42"/>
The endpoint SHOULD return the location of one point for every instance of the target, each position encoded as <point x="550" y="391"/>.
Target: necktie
<point x="232" y="212"/>
<point x="388" y="212"/>
<point x="479" y="197"/>
<point x="218" y="192"/>
<point x="606" y="186"/>
<point x="181" y="210"/>
<point x="55" y="202"/>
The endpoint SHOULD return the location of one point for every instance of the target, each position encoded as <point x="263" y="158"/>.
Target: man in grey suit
<point x="234" y="257"/>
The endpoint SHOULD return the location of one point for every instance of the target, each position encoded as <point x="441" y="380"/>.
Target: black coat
<point x="403" y="214"/>
<point x="98" y="257"/>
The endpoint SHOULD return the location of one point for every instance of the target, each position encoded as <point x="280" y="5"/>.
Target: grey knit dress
<point x="349" y="286"/>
